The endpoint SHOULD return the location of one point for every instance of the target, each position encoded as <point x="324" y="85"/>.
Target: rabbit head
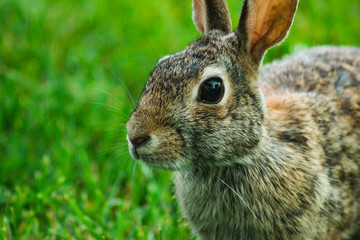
<point x="202" y="106"/>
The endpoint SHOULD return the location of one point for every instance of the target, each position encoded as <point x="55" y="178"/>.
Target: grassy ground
<point x="66" y="68"/>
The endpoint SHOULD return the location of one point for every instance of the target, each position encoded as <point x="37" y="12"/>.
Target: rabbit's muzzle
<point x="157" y="144"/>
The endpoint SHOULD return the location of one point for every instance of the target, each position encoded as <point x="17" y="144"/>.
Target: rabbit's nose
<point x="139" y="141"/>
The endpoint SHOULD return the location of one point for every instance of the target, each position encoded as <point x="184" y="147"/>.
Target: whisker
<point x="153" y="49"/>
<point x="238" y="195"/>
<point x="119" y="126"/>
<point x="196" y="178"/>
<point x="110" y="108"/>
<point x="115" y="129"/>
<point x="122" y="84"/>
<point x="118" y="147"/>
<point x="116" y="98"/>
<point x="110" y="122"/>
<point x="115" y="186"/>
<point x="134" y="168"/>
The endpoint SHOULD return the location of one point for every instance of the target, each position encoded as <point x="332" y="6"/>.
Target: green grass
<point x="65" y="69"/>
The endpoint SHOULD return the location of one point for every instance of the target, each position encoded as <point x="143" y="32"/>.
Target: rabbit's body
<point x="259" y="153"/>
<point x="304" y="180"/>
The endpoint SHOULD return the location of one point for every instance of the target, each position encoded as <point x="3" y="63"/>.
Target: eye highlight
<point x="211" y="91"/>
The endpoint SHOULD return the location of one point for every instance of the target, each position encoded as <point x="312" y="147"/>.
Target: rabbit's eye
<point x="211" y="91"/>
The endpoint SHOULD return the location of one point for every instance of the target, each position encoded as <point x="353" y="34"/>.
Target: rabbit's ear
<point x="264" y="23"/>
<point x="211" y="14"/>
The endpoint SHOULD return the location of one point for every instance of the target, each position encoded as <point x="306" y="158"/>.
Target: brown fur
<point x="277" y="158"/>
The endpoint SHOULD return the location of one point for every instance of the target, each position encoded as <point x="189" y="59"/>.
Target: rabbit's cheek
<point x="165" y="142"/>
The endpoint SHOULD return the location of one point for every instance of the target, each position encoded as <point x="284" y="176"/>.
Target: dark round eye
<point x="211" y="91"/>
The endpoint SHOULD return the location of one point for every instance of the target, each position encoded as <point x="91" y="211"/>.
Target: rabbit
<point x="258" y="152"/>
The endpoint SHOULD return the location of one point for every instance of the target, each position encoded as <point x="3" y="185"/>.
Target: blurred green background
<point x="66" y="68"/>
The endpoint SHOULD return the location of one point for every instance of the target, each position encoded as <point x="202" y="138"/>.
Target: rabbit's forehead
<point x="174" y="73"/>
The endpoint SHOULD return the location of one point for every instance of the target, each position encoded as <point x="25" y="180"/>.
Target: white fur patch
<point x="230" y="35"/>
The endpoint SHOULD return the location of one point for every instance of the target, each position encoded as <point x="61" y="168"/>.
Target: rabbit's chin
<point x="162" y="161"/>
<point x="173" y="164"/>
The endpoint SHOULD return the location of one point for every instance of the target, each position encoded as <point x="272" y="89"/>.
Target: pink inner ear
<point x="199" y="15"/>
<point x="259" y="20"/>
<point x="269" y="21"/>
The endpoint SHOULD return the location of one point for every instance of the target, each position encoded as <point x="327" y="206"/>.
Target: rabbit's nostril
<point x="140" y="141"/>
